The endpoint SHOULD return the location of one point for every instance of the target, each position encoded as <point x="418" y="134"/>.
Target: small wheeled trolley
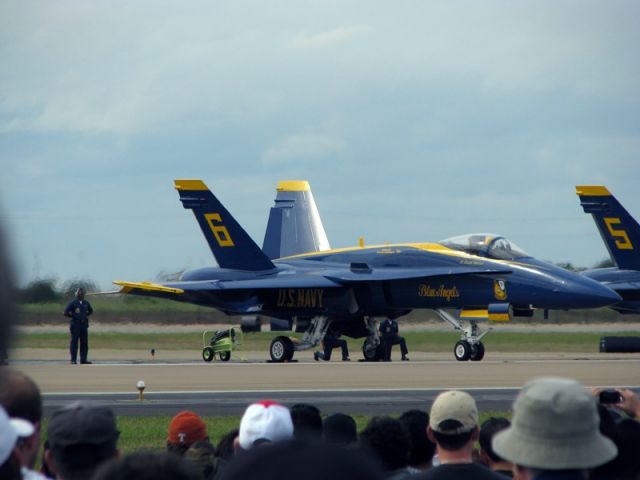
<point x="222" y="343"/>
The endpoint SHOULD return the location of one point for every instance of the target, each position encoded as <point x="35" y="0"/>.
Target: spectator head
<point x="488" y="429"/>
<point x="21" y="398"/>
<point x="224" y="449"/>
<point x="626" y="465"/>
<point x="422" y="449"/>
<point x="264" y="422"/>
<point x="453" y="421"/>
<point x="387" y="440"/>
<point x="81" y="438"/>
<point x="294" y="460"/>
<point x="307" y="422"/>
<point x="202" y="455"/>
<point x="340" y="429"/>
<point x="555" y="427"/>
<point x="147" y="466"/>
<point x="185" y="429"/>
<point x="11" y="432"/>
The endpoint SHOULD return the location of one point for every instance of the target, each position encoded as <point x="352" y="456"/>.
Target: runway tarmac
<point x="224" y="388"/>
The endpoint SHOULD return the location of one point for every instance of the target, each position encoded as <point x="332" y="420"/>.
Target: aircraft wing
<point x="358" y="275"/>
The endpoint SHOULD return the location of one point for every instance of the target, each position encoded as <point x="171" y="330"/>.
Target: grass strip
<point x="587" y="342"/>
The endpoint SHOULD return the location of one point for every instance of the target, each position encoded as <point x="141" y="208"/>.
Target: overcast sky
<point x="412" y="120"/>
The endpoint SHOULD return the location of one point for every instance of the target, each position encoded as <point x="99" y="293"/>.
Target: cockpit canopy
<point x="487" y="245"/>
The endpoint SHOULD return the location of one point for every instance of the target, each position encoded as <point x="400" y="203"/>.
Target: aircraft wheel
<point x="225" y="356"/>
<point x="207" y="354"/>
<point x="477" y="352"/>
<point x="462" y="351"/>
<point x="370" y="353"/>
<point x="281" y="349"/>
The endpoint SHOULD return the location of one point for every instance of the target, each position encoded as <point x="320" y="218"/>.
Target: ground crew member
<point x="330" y="341"/>
<point x="389" y="336"/>
<point x="78" y="311"/>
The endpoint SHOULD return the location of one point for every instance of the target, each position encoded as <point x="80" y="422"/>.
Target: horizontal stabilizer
<point x="151" y="287"/>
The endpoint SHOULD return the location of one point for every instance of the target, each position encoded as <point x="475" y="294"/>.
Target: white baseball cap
<point x="453" y="412"/>
<point x="10" y="431"/>
<point x="265" y="420"/>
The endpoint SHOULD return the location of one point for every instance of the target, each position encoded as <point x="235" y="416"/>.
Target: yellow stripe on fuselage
<point x="128" y="286"/>
<point x="293" y="186"/>
<point x="593" y="191"/>
<point x="427" y="247"/>
<point x="190" y="185"/>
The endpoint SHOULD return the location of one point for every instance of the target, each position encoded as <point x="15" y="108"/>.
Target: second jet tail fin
<point x="294" y="225"/>
<point x="230" y="244"/>
<point x="619" y="230"/>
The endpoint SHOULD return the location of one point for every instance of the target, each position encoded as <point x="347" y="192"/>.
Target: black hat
<point x="83" y="425"/>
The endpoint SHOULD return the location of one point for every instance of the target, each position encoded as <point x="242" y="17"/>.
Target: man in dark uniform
<point x="78" y="311"/>
<point x="389" y="336"/>
<point x="332" y="340"/>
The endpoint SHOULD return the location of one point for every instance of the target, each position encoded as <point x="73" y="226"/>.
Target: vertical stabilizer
<point x="618" y="229"/>
<point x="230" y="244"/>
<point x="294" y="225"/>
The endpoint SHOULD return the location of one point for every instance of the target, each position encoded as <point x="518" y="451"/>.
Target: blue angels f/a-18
<point x="465" y="279"/>
<point x="621" y="235"/>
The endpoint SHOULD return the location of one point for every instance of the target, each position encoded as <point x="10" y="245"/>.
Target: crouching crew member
<point x="390" y="337"/>
<point x="78" y="311"/>
<point x="332" y="340"/>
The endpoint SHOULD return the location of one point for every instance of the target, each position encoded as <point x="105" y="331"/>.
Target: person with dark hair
<point x="20" y="397"/>
<point x="494" y="461"/>
<point x="78" y="310"/>
<point x="295" y="460"/>
<point x="625" y="433"/>
<point x="340" y="429"/>
<point x="185" y="429"/>
<point x="202" y="454"/>
<point x="453" y="427"/>
<point x="422" y="449"/>
<point x="330" y="341"/>
<point x="148" y="466"/>
<point x="387" y="441"/>
<point x="81" y="438"/>
<point x="225" y="451"/>
<point x="389" y="337"/>
<point x="555" y="432"/>
<point x="307" y="422"/>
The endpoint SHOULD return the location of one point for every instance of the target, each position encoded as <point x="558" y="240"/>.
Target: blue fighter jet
<point x="356" y="287"/>
<point x="621" y="235"/>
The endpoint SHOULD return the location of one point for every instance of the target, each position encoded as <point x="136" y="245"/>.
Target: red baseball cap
<point x="186" y="428"/>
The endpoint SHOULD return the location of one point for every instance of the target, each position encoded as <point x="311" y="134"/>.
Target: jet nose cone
<point x="592" y="294"/>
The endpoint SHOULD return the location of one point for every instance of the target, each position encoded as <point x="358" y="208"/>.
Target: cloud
<point x="328" y="38"/>
<point x="302" y="147"/>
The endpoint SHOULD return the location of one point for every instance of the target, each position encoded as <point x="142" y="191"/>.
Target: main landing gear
<point x="470" y="346"/>
<point x="371" y="348"/>
<point x="282" y="348"/>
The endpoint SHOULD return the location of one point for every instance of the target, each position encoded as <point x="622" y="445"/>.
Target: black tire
<point x="225" y="356"/>
<point x="477" y="352"/>
<point x="207" y="354"/>
<point x="462" y="350"/>
<point x="281" y="349"/>
<point x="371" y="354"/>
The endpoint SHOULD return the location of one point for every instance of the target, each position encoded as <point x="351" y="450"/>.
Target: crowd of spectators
<point x="558" y="431"/>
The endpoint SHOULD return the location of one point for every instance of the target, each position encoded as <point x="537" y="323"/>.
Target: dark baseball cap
<point x="83" y="425"/>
